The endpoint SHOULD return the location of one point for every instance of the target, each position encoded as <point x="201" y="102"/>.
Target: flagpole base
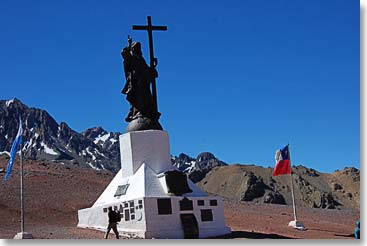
<point x="23" y="235"/>
<point x="297" y="225"/>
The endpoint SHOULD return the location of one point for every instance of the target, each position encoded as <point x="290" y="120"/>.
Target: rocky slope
<point x="312" y="188"/>
<point x="196" y="169"/>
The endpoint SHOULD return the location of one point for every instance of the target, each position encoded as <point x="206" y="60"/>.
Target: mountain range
<point x="46" y="140"/>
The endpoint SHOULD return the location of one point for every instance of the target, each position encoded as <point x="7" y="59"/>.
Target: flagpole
<point x="295" y="223"/>
<point x="294" y="204"/>
<point x="22" y="234"/>
<point x="292" y="189"/>
<point x="21" y="192"/>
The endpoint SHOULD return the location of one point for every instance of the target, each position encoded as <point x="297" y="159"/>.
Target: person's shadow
<point x="344" y="235"/>
<point x="252" y="235"/>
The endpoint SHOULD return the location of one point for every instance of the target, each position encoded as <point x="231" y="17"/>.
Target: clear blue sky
<point x="236" y="78"/>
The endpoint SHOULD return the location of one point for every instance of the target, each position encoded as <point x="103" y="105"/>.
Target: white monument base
<point x="23" y="235"/>
<point x="140" y="193"/>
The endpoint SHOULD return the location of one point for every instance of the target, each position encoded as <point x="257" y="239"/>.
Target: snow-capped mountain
<point x="196" y="169"/>
<point x="44" y="138"/>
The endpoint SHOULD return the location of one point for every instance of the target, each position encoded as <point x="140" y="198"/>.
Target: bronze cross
<point x="153" y="61"/>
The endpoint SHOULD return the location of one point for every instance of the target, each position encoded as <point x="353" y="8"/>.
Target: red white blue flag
<point x="283" y="162"/>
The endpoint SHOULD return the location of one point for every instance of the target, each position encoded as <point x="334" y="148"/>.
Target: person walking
<point x="113" y="218"/>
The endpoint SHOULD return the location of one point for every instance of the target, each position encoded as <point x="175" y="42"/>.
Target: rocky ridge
<point x="339" y="190"/>
<point x="45" y="139"/>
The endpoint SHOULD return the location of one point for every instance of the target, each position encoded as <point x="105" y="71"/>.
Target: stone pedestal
<point x="150" y="147"/>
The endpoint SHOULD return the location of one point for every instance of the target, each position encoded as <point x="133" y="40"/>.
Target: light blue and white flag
<point x="14" y="148"/>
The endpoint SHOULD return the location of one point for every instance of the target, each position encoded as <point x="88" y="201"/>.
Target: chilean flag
<point x="283" y="162"/>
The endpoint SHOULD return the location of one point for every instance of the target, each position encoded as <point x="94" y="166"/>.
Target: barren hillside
<point x="339" y="190"/>
<point x="54" y="193"/>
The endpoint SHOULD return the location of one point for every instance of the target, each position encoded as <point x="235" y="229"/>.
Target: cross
<point x="153" y="61"/>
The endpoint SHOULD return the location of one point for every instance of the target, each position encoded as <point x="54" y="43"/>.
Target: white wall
<point x="169" y="226"/>
<point x="96" y="218"/>
<point x="149" y="224"/>
<point x="150" y="147"/>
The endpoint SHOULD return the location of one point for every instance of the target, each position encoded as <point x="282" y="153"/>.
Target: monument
<point x="155" y="199"/>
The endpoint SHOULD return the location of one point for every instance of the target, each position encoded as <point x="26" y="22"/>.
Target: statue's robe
<point x="137" y="88"/>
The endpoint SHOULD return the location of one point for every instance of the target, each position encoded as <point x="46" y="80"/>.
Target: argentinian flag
<point x="14" y="148"/>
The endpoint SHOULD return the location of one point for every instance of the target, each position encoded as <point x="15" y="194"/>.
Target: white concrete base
<point x="297" y="225"/>
<point x="145" y="157"/>
<point x="148" y="224"/>
<point x="23" y="235"/>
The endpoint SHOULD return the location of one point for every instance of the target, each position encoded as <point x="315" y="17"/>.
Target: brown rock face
<point x="339" y="190"/>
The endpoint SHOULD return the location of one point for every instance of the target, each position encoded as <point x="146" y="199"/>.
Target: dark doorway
<point x="190" y="226"/>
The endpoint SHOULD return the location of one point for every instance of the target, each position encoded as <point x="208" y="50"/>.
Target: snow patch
<point x="9" y="102"/>
<point x="102" y="138"/>
<point x="25" y="146"/>
<point x="97" y="151"/>
<point x="93" y="157"/>
<point x="5" y="152"/>
<point x="191" y="166"/>
<point x="28" y="144"/>
<point x="113" y="140"/>
<point x="95" y="168"/>
<point x="48" y="150"/>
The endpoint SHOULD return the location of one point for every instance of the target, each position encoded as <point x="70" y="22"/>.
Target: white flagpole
<point x="296" y="224"/>
<point x="21" y="192"/>
<point x="292" y="189"/>
<point x="294" y="204"/>
<point x="22" y="234"/>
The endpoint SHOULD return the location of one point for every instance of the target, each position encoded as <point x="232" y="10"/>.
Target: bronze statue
<point x="142" y="114"/>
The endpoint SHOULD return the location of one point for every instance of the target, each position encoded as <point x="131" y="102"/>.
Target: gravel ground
<point x="54" y="193"/>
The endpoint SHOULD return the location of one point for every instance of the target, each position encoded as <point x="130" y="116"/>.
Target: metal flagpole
<point x="292" y="189"/>
<point x="21" y="192"/>
<point x="296" y="224"/>
<point x="22" y="234"/>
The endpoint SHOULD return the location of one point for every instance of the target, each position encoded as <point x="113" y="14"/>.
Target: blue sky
<point x="236" y="78"/>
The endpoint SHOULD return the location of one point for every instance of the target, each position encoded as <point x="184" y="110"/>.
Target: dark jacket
<point x="113" y="217"/>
